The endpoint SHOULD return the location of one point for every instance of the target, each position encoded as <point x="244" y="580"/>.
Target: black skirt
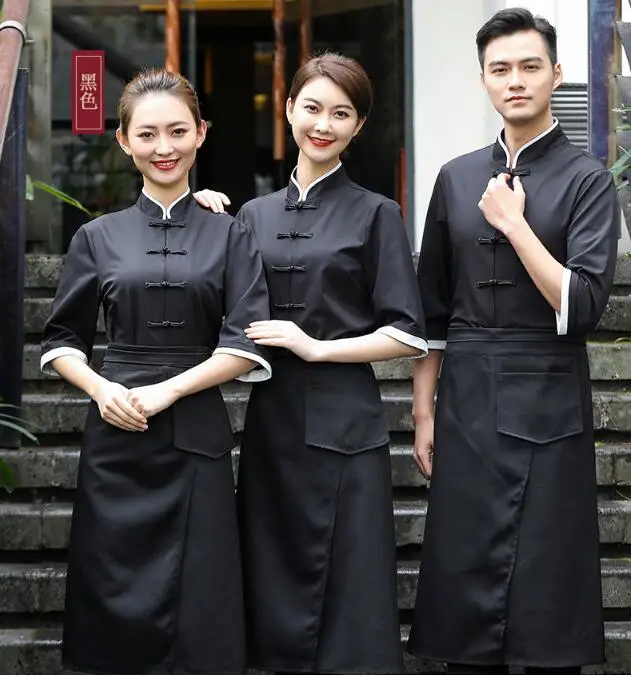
<point x="317" y="524"/>
<point x="510" y="570"/>
<point x="154" y="575"/>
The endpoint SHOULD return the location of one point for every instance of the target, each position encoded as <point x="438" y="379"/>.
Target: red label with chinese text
<point x="88" y="84"/>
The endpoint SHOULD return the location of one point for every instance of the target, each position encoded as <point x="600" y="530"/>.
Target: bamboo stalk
<point x="279" y="87"/>
<point x="305" y="30"/>
<point x="172" y="36"/>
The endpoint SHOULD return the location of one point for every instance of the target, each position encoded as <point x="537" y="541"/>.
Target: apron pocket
<point x="538" y="407"/>
<point x="343" y="420"/>
<point x="201" y="424"/>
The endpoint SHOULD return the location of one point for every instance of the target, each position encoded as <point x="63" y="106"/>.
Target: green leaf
<point x="7" y="480"/>
<point x="61" y="195"/>
<point x="29" y="188"/>
<point x="19" y="429"/>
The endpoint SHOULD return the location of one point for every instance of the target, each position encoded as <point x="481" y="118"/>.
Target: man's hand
<point x="502" y="207"/>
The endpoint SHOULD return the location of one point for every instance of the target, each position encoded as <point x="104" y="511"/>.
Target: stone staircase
<point x="35" y="519"/>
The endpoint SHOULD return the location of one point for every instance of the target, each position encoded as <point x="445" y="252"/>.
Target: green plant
<point x="12" y="422"/>
<point x="622" y="166"/>
<point x="31" y="186"/>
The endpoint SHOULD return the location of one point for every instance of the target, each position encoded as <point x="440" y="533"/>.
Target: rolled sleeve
<point x="71" y="326"/>
<point x="395" y="295"/>
<point x="592" y="243"/>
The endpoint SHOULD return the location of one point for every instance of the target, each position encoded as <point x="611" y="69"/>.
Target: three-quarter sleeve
<point x="592" y="242"/>
<point x="434" y="270"/>
<point x="390" y="268"/>
<point x="71" y="326"/>
<point x="246" y="299"/>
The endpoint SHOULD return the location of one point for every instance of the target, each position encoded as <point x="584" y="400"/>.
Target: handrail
<point x="12" y="39"/>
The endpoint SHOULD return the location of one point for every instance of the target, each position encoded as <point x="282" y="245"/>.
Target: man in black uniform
<point x="516" y="265"/>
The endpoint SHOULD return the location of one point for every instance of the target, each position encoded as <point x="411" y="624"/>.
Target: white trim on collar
<point x="302" y="196"/>
<point x="166" y="211"/>
<point x="555" y="124"/>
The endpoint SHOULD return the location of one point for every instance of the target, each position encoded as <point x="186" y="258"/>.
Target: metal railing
<point x="13" y="130"/>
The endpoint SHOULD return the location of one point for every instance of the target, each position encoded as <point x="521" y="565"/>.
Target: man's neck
<point x="517" y="136"/>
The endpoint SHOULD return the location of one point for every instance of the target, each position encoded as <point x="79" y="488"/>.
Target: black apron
<point x="510" y="569"/>
<point x="154" y="576"/>
<point x="317" y="526"/>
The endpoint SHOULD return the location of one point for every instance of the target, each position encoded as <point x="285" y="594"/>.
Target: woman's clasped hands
<point x="129" y="409"/>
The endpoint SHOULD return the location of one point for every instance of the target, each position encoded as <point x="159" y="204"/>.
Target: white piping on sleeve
<point x="254" y="376"/>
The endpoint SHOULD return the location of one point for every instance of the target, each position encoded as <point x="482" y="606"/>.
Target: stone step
<point x="36" y="311"/>
<point x="616" y="316"/>
<point x="31" y="526"/>
<point x="56" y="467"/>
<point x="52" y="413"/>
<point x="607" y="360"/>
<point x="32" y="587"/>
<point x="613" y="465"/>
<point x="38" y="651"/>
<point x="42" y="271"/>
<point x="614" y="520"/>
<point x="622" y="277"/>
<point x="615" y="573"/>
<point x="30" y="650"/>
<point x="617" y="648"/>
<point x="40" y="587"/>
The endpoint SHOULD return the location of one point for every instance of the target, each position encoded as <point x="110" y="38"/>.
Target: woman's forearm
<point x="78" y="373"/>
<point x="218" y="369"/>
<point x="372" y="347"/>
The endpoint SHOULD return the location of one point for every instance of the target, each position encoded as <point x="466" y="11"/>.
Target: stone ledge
<point x="26" y="526"/>
<point x="608" y="361"/>
<point x="617" y="647"/>
<point x="38" y="651"/>
<point x="56" y="467"/>
<point x="616" y="316"/>
<point x="40" y="588"/>
<point x="43" y="270"/>
<point x="60" y="413"/>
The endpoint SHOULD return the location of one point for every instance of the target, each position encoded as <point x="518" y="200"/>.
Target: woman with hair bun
<point x="154" y="573"/>
<point x="314" y="487"/>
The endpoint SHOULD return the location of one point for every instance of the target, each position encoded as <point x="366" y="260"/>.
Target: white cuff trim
<point x="51" y="355"/>
<point x="437" y="344"/>
<point x="405" y="338"/>
<point x="256" y="375"/>
<point x="562" y="315"/>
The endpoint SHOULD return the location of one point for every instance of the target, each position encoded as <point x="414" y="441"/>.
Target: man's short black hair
<point x="515" y="20"/>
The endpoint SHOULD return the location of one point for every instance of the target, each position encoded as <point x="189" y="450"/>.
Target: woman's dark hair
<point x="345" y="72"/>
<point x="156" y="81"/>
<point x="515" y="20"/>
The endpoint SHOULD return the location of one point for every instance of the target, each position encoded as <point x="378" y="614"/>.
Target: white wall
<point x="451" y="113"/>
<point x="570" y="18"/>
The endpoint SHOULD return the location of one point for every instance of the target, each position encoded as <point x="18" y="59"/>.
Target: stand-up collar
<point x="154" y="209"/>
<point x="532" y="150"/>
<point x="310" y="194"/>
